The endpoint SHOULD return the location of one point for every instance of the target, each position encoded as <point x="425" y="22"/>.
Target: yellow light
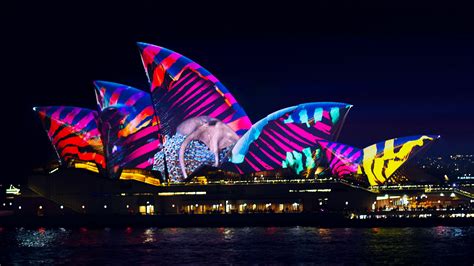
<point x="131" y="174"/>
<point x="380" y="166"/>
<point x="87" y="166"/>
<point x="177" y="193"/>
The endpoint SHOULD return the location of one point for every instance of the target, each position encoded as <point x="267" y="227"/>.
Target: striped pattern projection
<point x="341" y="159"/>
<point x="128" y="125"/>
<point x="381" y="160"/>
<point x="73" y="132"/>
<point x="267" y="144"/>
<point x="183" y="89"/>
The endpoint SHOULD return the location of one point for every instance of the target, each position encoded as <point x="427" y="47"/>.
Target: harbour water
<point x="242" y="245"/>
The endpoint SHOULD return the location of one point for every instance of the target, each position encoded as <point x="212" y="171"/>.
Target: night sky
<point x="406" y="69"/>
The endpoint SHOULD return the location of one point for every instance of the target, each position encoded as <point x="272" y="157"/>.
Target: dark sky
<point x="406" y="69"/>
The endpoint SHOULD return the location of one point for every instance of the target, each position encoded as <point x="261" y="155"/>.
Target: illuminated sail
<point x="182" y="89"/>
<point x="272" y="142"/>
<point x="128" y="125"/>
<point x="73" y="133"/>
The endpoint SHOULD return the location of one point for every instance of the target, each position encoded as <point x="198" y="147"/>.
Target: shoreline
<point x="226" y="220"/>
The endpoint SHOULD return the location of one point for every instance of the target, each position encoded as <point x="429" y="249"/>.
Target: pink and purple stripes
<point x="266" y="145"/>
<point x="176" y="81"/>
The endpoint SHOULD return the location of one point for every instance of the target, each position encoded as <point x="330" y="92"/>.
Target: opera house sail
<point x="188" y="121"/>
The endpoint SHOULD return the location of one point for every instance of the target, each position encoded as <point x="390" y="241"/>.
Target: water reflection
<point x="324" y="232"/>
<point x="149" y="235"/>
<point x="39" y="237"/>
<point x="249" y="245"/>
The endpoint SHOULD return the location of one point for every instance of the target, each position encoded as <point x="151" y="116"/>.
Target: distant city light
<point x="40" y="207"/>
<point x="61" y="207"/>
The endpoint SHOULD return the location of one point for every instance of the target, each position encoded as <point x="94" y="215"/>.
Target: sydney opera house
<point x="186" y="145"/>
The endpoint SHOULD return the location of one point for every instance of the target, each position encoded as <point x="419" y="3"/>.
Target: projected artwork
<point x="198" y="141"/>
<point x="128" y="126"/>
<point x="377" y="162"/>
<point x="340" y="159"/>
<point x="381" y="160"/>
<point x="73" y="132"/>
<point x="182" y="89"/>
<point x="267" y="144"/>
<point x="189" y="121"/>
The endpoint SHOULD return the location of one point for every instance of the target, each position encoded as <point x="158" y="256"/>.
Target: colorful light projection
<point x="197" y="155"/>
<point x="133" y="124"/>
<point x="378" y="162"/>
<point x="128" y="126"/>
<point x="270" y="143"/>
<point x="381" y="160"/>
<point x="73" y="132"/>
<point x="182" y="89"/>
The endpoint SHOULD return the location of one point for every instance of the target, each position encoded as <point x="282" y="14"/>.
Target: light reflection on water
<point x="436" y="245"/>
<point x="40" y="237"/>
